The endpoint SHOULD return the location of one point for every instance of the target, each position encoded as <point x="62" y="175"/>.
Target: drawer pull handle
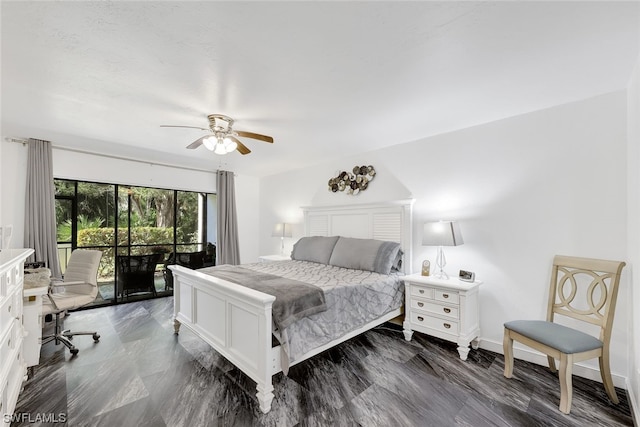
<point x="421" y="291"/>
<point x="447" y="325"/>
<point x="445" y="295"/>
<point x="447" y="310"/>
<point x="420" y="304"/>
<point x="420" y="318"/>
<point x="9" y="309"/>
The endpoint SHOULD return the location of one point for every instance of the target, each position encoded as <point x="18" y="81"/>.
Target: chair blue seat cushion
<point x="562" y="338"/>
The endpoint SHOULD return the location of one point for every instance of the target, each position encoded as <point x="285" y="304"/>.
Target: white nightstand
<point x="446" y="309"/>
<point x="271" y="258"/>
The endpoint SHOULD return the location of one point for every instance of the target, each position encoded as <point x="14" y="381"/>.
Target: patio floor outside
<point x="106" y="291"/>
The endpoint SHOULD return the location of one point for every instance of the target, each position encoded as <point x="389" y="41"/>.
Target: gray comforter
<point x="352" y="298"/>
<point x="295" y="300"/>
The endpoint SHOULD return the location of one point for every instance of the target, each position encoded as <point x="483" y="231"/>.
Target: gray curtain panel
<point x="227" y="247"/>
<point x="40" y="213"/>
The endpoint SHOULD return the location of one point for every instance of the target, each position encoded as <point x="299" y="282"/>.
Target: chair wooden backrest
<point x="597" y="280"/>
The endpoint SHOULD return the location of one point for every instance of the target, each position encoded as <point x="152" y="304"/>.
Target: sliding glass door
<point x="136" y="228"/>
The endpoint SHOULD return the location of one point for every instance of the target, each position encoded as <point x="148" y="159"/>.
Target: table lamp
<point x="282" y="230"/>
<point x="441" y="233"/>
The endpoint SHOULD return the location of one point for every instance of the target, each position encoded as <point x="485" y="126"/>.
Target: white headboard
<point x="391" y="221"/>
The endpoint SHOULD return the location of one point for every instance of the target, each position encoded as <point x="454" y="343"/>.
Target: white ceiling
<point x="325" y="79"/>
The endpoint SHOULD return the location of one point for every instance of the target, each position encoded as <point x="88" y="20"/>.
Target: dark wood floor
<point x="141" y="374"/>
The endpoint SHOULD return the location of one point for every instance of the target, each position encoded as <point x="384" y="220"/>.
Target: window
<point x="127" y="221"/>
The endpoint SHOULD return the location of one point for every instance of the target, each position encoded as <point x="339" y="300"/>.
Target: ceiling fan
<point x="223" y="138"/>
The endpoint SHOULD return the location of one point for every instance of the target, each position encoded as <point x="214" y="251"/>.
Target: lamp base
<point x="441" y="261"/>
<point x="441" y="275"/>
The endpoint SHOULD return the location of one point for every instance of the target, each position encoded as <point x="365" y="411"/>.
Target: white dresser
<point x="12" y="364"/>
<point x="443" y="308"/>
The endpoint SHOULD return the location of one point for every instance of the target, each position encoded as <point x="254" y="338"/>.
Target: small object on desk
<point x="31" y="265"/>
<point x="36" y="277"/>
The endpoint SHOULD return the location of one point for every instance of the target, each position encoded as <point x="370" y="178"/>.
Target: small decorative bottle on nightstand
<point x="444" y="308"/>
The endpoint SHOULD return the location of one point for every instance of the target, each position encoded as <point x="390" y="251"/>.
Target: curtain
<point x="40" y="214"/>
<point x="227" y="247"/>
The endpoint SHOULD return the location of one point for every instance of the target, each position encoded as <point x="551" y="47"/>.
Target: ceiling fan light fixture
<point x="223" y="138"/>
<point x="230" y="145"/>
<point x="210" y="143"/>
<point x="220" y="149"/>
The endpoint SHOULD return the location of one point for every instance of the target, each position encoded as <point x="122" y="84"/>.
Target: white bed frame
<point x="236" y="321"/>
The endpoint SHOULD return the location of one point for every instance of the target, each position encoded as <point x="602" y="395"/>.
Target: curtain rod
<point x="24" y="141"/>
<point x="19" y="140"/>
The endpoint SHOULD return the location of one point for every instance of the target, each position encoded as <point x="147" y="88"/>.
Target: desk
<point x="32" y="323"/>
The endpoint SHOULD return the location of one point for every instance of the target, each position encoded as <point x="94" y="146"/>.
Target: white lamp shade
<point x="282" y="229"/>
<point x="220" y="149"/>
<point x="441" y="233"/>
<point x="210" y="142"/>
<point x="230" y="145"/>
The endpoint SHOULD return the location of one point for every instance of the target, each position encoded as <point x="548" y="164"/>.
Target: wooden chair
<point x="584" y="289"/>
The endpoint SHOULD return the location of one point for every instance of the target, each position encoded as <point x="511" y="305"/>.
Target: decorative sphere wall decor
<point x="353" y="182"/>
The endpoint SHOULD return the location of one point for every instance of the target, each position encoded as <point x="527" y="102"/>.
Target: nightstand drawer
<point x="431" y="307"/>
<point x="446" y="326"/>
<point x="421" y="291"/>
<point x="447" y="296"/>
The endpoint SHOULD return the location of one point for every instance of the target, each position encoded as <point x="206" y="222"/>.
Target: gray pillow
<point x="314" y="248"/>
<point x="397" y="262"/>
<point x="365" y="254"/>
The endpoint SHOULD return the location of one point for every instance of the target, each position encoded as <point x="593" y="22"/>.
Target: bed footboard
<point x="234" y="320"/>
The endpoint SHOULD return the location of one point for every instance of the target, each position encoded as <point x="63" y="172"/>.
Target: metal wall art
<point x="353" y="183"/>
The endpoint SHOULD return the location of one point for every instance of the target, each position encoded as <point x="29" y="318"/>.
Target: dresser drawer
<point x="421" y="291"/>
<point x="14" y="277"/>
<point x="4" y="279"/>
<point x="447" y="296"/>
<point x="447" y="326"/>
<point x="8" y="341"/>
<point x="433" y="307"/>
<point x="9" y="309"/>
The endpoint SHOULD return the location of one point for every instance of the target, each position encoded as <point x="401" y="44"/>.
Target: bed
<point x="238" y="321"/>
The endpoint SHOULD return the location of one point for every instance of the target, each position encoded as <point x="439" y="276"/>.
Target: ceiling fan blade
<point x="242" y="149"/>
<point x="178" y="126"/>
<point x="197" y="143"/>
<point x="252" y="135"/>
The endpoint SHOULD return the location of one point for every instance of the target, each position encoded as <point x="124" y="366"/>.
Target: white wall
<point x="633" y="219"/>
<point x="13" y="177"/>
<point x="82" y="166"/>
<point x="524" y="189"/>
